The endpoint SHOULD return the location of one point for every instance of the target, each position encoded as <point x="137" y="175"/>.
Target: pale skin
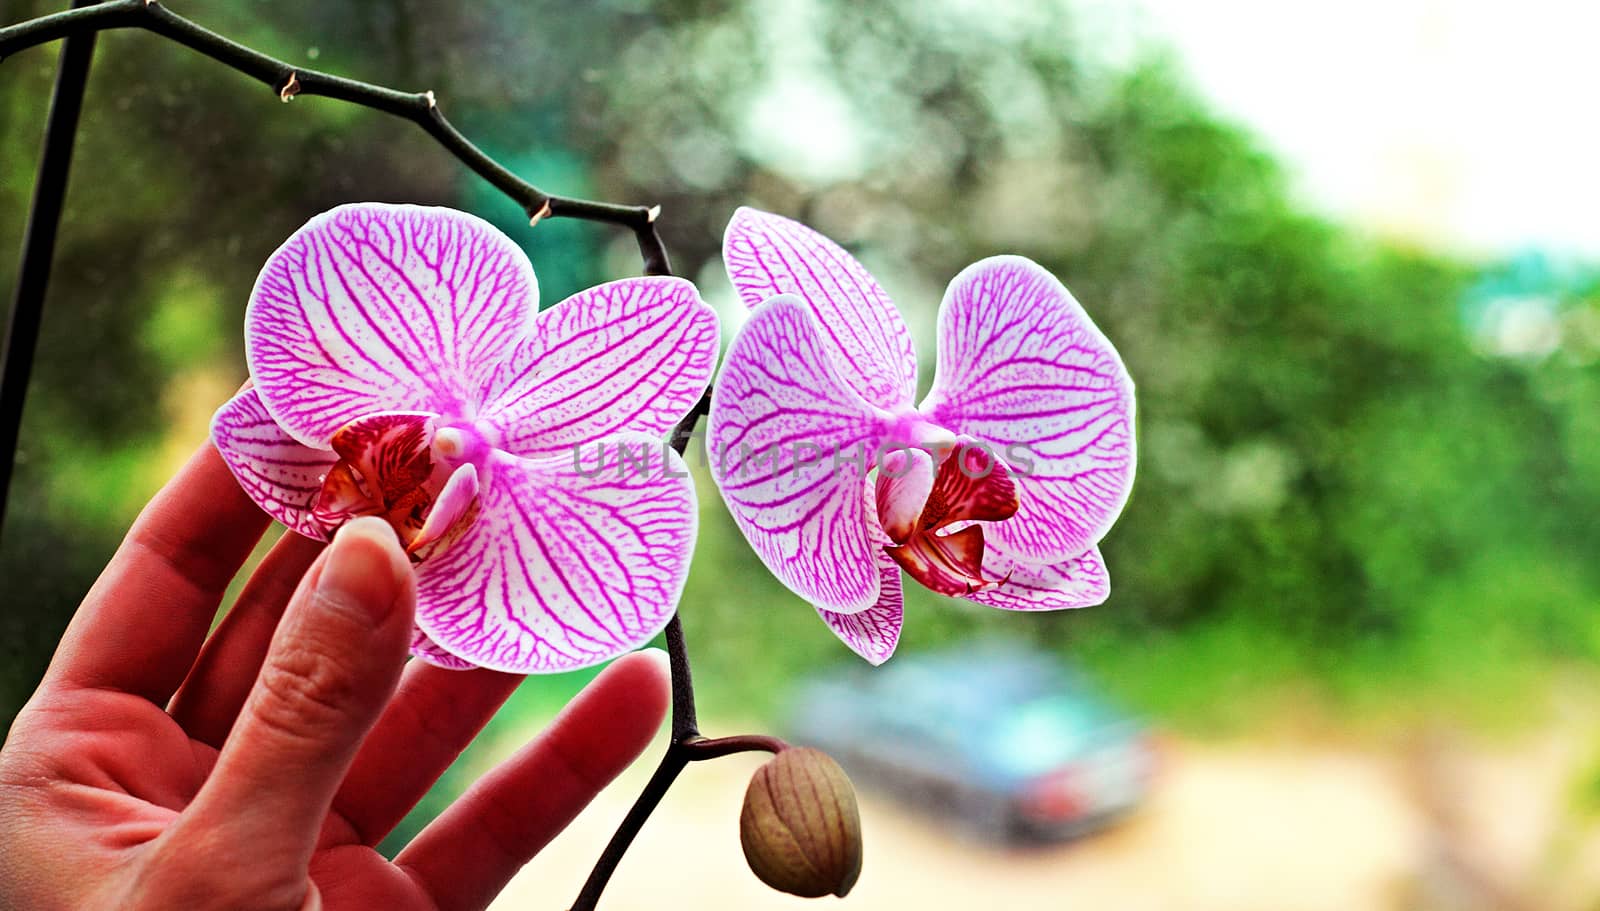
<point x="157" y="767"/>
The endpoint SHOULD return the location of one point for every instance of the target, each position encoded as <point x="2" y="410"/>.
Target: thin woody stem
<point x="678" y="756"/>
<point x="288" y="81"/>
<point x="685" y="725"/>
<point x="672" y="764"/>
<point x="715" y="748"/>
<point x="686" y="745"/>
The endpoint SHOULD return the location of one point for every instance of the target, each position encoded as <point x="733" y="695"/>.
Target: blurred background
<point x="1348" y="255"/>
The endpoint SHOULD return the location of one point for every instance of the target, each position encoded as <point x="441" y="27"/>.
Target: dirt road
<point x="1239" y="827"/>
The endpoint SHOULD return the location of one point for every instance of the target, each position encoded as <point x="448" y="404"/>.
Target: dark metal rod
<point x="39" y="245"/>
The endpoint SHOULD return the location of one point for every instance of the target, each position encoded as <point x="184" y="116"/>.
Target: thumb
<point x="332" y="667"/>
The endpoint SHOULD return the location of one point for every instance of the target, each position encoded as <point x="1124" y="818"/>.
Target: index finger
<point x="141" y="625"/>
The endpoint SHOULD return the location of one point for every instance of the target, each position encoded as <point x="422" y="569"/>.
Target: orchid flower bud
<point x="800" y="828"/>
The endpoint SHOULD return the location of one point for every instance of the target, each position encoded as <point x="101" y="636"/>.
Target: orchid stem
<point x="79" y="26"/>
<point x="684" y="723"/>
<point x="645" y="804"/>
<point x="686" y="744"/>
<point x="288" y="82"/>
<point x="678" y="756"/>
<point x="715" y="748"/>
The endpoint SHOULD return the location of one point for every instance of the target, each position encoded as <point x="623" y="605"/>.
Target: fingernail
<point x="359" y="570"/>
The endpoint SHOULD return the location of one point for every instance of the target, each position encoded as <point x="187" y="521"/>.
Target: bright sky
<point x="1468" y="124"/>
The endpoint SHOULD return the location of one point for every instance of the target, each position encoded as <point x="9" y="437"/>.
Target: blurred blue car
<point x="1003" y="739"/>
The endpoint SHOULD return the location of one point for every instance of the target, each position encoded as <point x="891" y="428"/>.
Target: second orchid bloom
<point x="996" y="488"/>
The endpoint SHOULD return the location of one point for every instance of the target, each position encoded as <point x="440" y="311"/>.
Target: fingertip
<point x="632" y="696"/>
<point x="646" y="673"/>
<point x="656" y="657"/>
<point x="365" y="567"/>
<point x="371" y="531"/>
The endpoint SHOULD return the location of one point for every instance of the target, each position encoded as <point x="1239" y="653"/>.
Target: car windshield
<point x="1040" y="736"/>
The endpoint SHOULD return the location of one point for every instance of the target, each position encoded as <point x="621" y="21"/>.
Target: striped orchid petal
<point x="565" y="566"/>
<point x="375" y="307"/>
<point x="1024" y="369"/>
<point x="791" y="444"/>
<point x="874" y="632"/>
<point x="630" y="355"/>
<point x="280" y="474"/>
<point x="767" y="255"/>
<point x="427" y="650"/>
<point x="1078" y="582"/>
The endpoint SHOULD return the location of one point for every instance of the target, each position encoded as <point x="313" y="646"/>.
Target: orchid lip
<point x="918" y="505"/>
<point x="450" y="514"/>
<point x="403" y="467"/>
<point x="946" y="563"/>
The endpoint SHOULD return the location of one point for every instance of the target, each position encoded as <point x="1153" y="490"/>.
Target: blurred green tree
<point x="1336" y="474"/>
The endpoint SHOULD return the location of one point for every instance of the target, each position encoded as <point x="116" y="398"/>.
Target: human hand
<point x="158" y="768"/>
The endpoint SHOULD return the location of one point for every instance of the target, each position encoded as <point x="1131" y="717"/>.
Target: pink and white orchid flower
<point x="401" y="368"/>
<point x="996" y="488"/>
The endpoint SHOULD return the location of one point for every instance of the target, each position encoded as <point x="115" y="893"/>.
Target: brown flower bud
<point x="800" y="827"/>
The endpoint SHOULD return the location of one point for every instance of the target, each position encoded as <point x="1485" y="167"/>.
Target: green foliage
<point x="1338" y="490"/>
